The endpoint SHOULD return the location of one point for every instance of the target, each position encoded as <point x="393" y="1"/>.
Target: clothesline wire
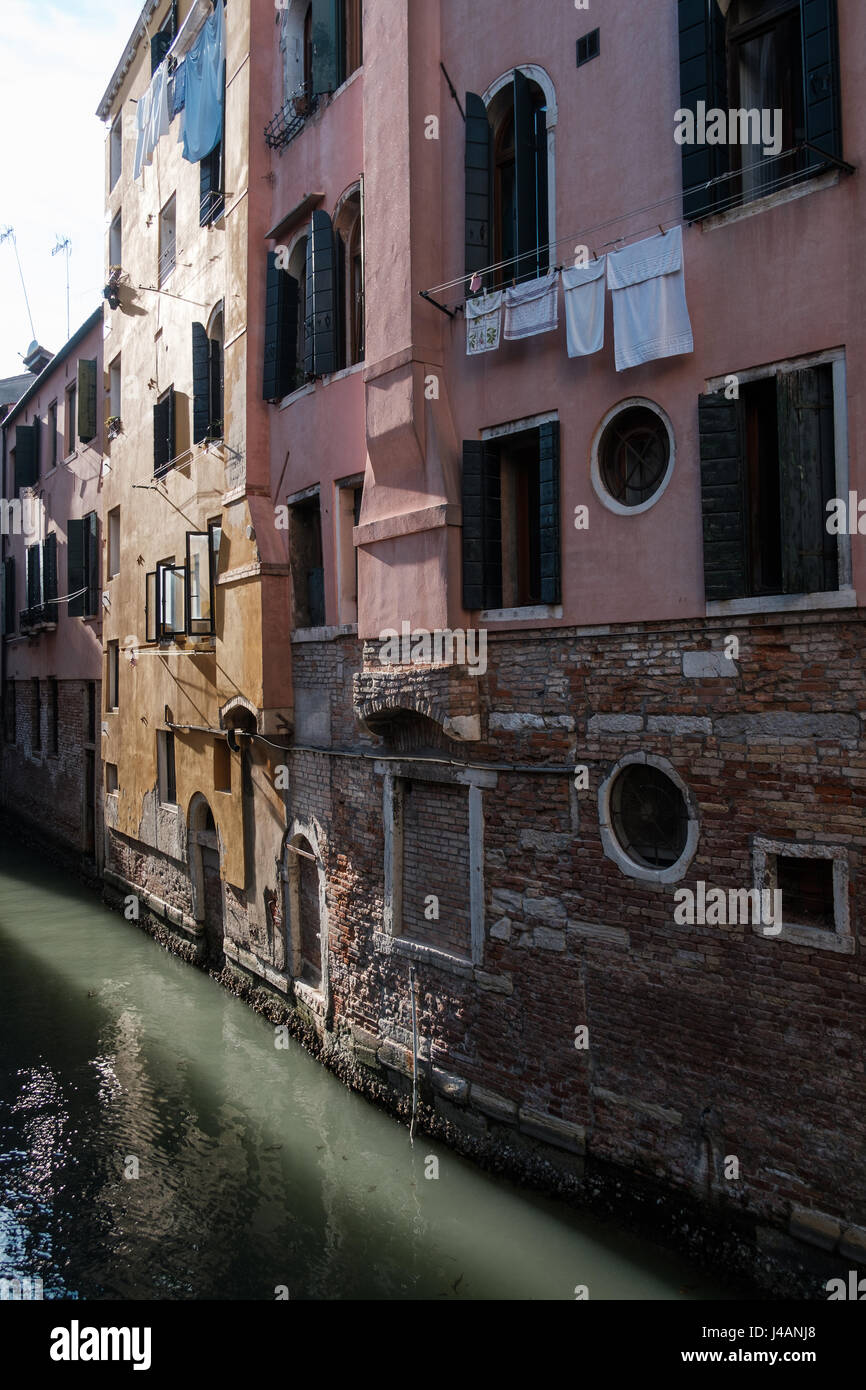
<point x="579" y="238"/>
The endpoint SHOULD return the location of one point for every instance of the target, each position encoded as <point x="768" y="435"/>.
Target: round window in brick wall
<point x="649" y="816"/>
<point x="634" y="453"/>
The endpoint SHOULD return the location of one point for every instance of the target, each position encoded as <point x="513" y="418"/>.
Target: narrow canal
<point x="255" y="1167"/>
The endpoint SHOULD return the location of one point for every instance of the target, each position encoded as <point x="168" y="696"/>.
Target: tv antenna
<point x="64" y="244"/>
<point x="8" y="234"/>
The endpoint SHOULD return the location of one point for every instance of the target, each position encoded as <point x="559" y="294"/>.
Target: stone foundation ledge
<point x="173" y="916"/>
<point x="828" y="1233"/>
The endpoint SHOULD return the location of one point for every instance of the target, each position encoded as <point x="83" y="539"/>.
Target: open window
<point x="207" y="372"/>
<point x="768" y="471"/>
<point x="507" y="200"/>
<point x="164" y="432"/>
<point x="755" y="56"/>
<point x="349" y="246"/>
<point x="167" y="239"/>
<point x="179" y="598"/>
<point x="199" y="587"/>
<point x="166" y="776"/>
<point x="305" y="552"/>
<point x="283" y="345"/>
<point x="337" y="42"/>
<point x="349" y="495"/>
<point x="511" y="552"/>
<point x="115" y="243"/>
<point x="115" y="151"/>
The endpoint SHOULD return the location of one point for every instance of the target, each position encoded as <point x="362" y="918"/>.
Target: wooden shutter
<point x="321" y="307"/>
<point x="526" y="232"/>
<point x="91" y="539"/>
<point x="807" y="478"/>
<point x="821" y="75"/>
<point x="326" y="45"/>
<point x="216" y="387"/>
<point x="86" y="399"/>
<point x="281" y="331"/>
<point x="723" y="497"/>
<point x="34" y="578"/>
<point x="163" y="432"/>
<point x="8" y="604"/>
<point x="49" y="576"/>
<point x="703" y="77"/>
<point x="482" y="526"/>
<point x="548" y="512"/>
<point x="25" y="456"/>
<point x="200" y="383"/>
<point x="159" y="46"/>
<point x="479" y="185"/>
<point x="75" y="578"/>
<point x="150" y="606"/>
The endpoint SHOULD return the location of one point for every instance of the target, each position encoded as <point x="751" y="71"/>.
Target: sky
<point x="56" y="60"/>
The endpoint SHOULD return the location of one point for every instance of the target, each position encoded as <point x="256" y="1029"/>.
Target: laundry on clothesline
<point x="204" y="89"/>
<point x="483" y="323"/>
<point x="583" y="292"/>
<point x="650" y="314"/>
<point x="532" y="307"/>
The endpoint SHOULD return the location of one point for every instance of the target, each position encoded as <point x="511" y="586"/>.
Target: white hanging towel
<point x="159" y="115"/>
<point x="532" y="308"/>
<point x="483" y="323"/>
<point x="583" y="287"/>
<point x="650" y="315"/>
<point x="142" y="126"/>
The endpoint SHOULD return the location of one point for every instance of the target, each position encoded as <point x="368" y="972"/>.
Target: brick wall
<point x="436" y="862"/>
<point x="39" y="786"/>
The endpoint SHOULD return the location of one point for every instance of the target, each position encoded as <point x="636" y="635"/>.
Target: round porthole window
<point x="649" y="816"/>
<point x="648" y="822"/>
<point x="633" y="456"/>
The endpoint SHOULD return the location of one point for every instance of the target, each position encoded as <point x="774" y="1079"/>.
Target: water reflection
<point x="155" y="1144"/>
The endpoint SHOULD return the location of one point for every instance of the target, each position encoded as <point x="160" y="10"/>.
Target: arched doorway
<point x="306" y="913"/>
<point x="204" y="854"/>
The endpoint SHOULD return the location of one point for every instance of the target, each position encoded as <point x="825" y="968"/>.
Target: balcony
<point x="41" y="617"/>
<point x="290" y="119"/>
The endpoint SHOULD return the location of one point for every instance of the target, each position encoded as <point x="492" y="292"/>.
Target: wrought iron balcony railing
<point x="290" y="119"/>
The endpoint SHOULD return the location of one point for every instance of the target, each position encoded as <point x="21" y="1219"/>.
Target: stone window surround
<point x="318" y="1001"/>
<point x="390" y="940"/>
<point x="601" y="492"/>
<point x="844" y="596"/>
<point x="765" y="875"/>
<point x="612" y="848"/>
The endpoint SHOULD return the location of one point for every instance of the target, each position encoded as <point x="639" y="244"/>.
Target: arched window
<point x="509" y="153"/>
<point x="207" y="371"/>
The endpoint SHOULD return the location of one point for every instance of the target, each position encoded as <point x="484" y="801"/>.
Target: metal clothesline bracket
<point x="452" y="313"/>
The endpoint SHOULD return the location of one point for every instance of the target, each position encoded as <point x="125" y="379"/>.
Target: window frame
<point x="536" y="74"/>
<point x="70" y="424"/>
<point x="166" y="763"/>
<point x="606" y="498"/>
<point x="844" y="596"/>
<point x="765" y="855"/>
<point x="611" y="845"/>
<point x="167" y="246"/>
<point x="112" y="682"/>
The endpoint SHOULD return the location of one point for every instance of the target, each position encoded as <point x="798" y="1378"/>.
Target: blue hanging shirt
<point x="178" y="91"/>
<point x="205" y="89"/>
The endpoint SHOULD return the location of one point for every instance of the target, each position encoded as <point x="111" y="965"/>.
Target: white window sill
<point x="812" y="937"/>
<point x="309" y="386"/>
<point x="324" y="634"/>
<point x="782" y="603"/>
<point x="827" y="179"/>
<point x="416" y="950"/>
<point x="538" y="613"/>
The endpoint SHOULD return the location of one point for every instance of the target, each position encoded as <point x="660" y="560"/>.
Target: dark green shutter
<point x="25" y="456"/>
<point x="49" y="577"/>
<point x="86" y="399"/>
<point x="150" y="607"/>
<point x="807" y="477"/>
<point x="723" y="486"/>
<point x="482" y="526"/>
<point x="327" y="24"/>
<point x="75" y="579"/>
<point x="163" y="432"/>
<point x="91" y="536"/>
<point x="703" y="77"/>
<point x="8" y="605"/>
<point x="159" y="46"/>
<point x="821" y="75"/>
<point x="216" y="388"/>
<point x="281" y="331"/>
<point x="34" y="578"/>
<point x="479" y="185"/>
<point x="321" y="307"/>
<point x="548" y="512"/>
<point x="200" y="383"/>
<point x="526" y="231"/>
<point x="37" y="440"/>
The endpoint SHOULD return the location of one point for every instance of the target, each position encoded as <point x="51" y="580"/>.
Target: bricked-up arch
<point x="306" y="915"/>
<point x="239" y="713"/>
<point x="447" y="696"/>
<point x="205" y="857"/>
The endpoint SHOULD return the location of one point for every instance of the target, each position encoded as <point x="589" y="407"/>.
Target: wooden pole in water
<point x="414" y="1054"/>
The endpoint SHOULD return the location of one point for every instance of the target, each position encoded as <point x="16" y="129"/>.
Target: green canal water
<point x="256" y="1168"/>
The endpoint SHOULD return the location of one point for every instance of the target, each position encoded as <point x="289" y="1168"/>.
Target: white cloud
<point x="54" y="67"/>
